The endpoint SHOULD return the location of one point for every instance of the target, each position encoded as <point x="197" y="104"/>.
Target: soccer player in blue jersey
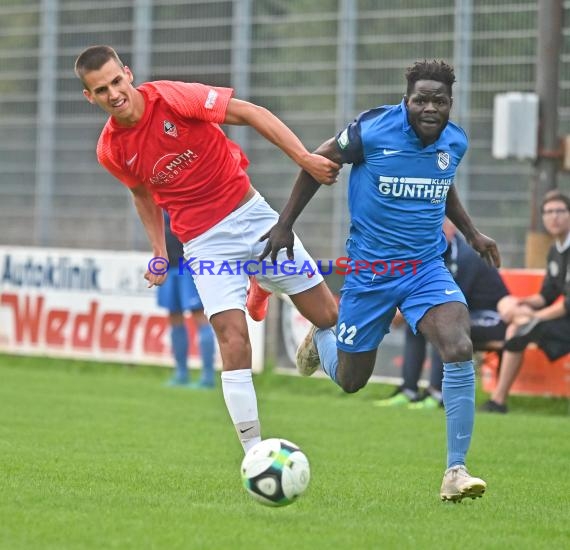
<point x="404" y="159"/>
<point x="178" y="294"/>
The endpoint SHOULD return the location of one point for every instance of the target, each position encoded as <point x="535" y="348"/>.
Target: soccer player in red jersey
<point x="163" y="141"/>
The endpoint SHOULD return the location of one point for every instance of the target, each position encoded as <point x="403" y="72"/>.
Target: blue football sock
<point x="179" y="340"/>
<point x="206" y="339"/>
<point x="459" y="401"/>
<point x="325" y="341"/>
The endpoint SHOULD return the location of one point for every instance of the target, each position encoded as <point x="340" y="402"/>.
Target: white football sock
<point x="241" y="401"/>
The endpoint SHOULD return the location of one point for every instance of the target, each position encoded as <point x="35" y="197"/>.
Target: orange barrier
<point x="538" y="376"/>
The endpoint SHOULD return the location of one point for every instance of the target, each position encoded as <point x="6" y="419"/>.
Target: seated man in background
<point x="483" y="288"/>
<point x="539" y="318"/>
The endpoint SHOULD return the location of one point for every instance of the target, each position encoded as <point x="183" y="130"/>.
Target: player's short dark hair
<point x="437" y="70"/>
<point x="93" y="58"/>
<point x="555" y="195"/>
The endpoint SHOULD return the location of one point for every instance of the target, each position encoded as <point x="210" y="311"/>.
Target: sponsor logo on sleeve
<point x="343" y="140"/>
<point x="211" y="99"/>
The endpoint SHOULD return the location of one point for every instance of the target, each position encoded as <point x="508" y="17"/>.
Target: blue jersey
<point x="397" y="187"/>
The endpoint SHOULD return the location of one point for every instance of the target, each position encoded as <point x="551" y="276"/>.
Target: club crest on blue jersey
<point x="170" y="129"/>
<point x="443" y="160"/>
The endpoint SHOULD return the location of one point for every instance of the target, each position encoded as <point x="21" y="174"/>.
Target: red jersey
<point x="180" y="153"/>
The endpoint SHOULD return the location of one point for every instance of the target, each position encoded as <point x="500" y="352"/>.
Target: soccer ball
<point x="275" y="472"/>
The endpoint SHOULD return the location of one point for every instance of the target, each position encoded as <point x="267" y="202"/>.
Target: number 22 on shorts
<point x="350" y="334"/>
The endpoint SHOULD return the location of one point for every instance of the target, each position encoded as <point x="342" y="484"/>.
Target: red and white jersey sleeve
<point x="195" y="100"/>
<point x="180" y="153"/>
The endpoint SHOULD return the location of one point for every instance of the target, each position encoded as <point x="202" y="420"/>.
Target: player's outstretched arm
<point x="152" y="219"/>
<point x="281" y="234"/>
<point x="486" y="246"/>
<point x="274" y="130"/>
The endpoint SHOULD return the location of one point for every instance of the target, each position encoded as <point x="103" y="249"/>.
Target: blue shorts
<point x="366" y="310"/>
<point x="178" y="293"/>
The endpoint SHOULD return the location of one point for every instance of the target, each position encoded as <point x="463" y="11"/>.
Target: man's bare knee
<point x="355" y="369"/>
<point x="328" y="316"/>
<point x="318" y="305"/>
<point x="233" y="338"/>
<point x="231" y="335"/>
<point x="457" y="350"/>
<point x="351" y="385"/>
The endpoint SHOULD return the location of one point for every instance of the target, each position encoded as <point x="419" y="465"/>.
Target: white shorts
<point x="222" y="258"/>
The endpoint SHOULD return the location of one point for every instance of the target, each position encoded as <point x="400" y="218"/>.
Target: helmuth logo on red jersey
<point x="170" y="129"/>
<point x="168" y="167"/>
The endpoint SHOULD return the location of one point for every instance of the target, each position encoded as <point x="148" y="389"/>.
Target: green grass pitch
<point x="104" y="456"/>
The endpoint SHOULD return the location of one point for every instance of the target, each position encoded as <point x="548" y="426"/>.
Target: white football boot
<point x="458" y="484"/>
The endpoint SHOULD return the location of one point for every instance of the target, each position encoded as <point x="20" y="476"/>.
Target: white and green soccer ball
<point x="275" y="472"/>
